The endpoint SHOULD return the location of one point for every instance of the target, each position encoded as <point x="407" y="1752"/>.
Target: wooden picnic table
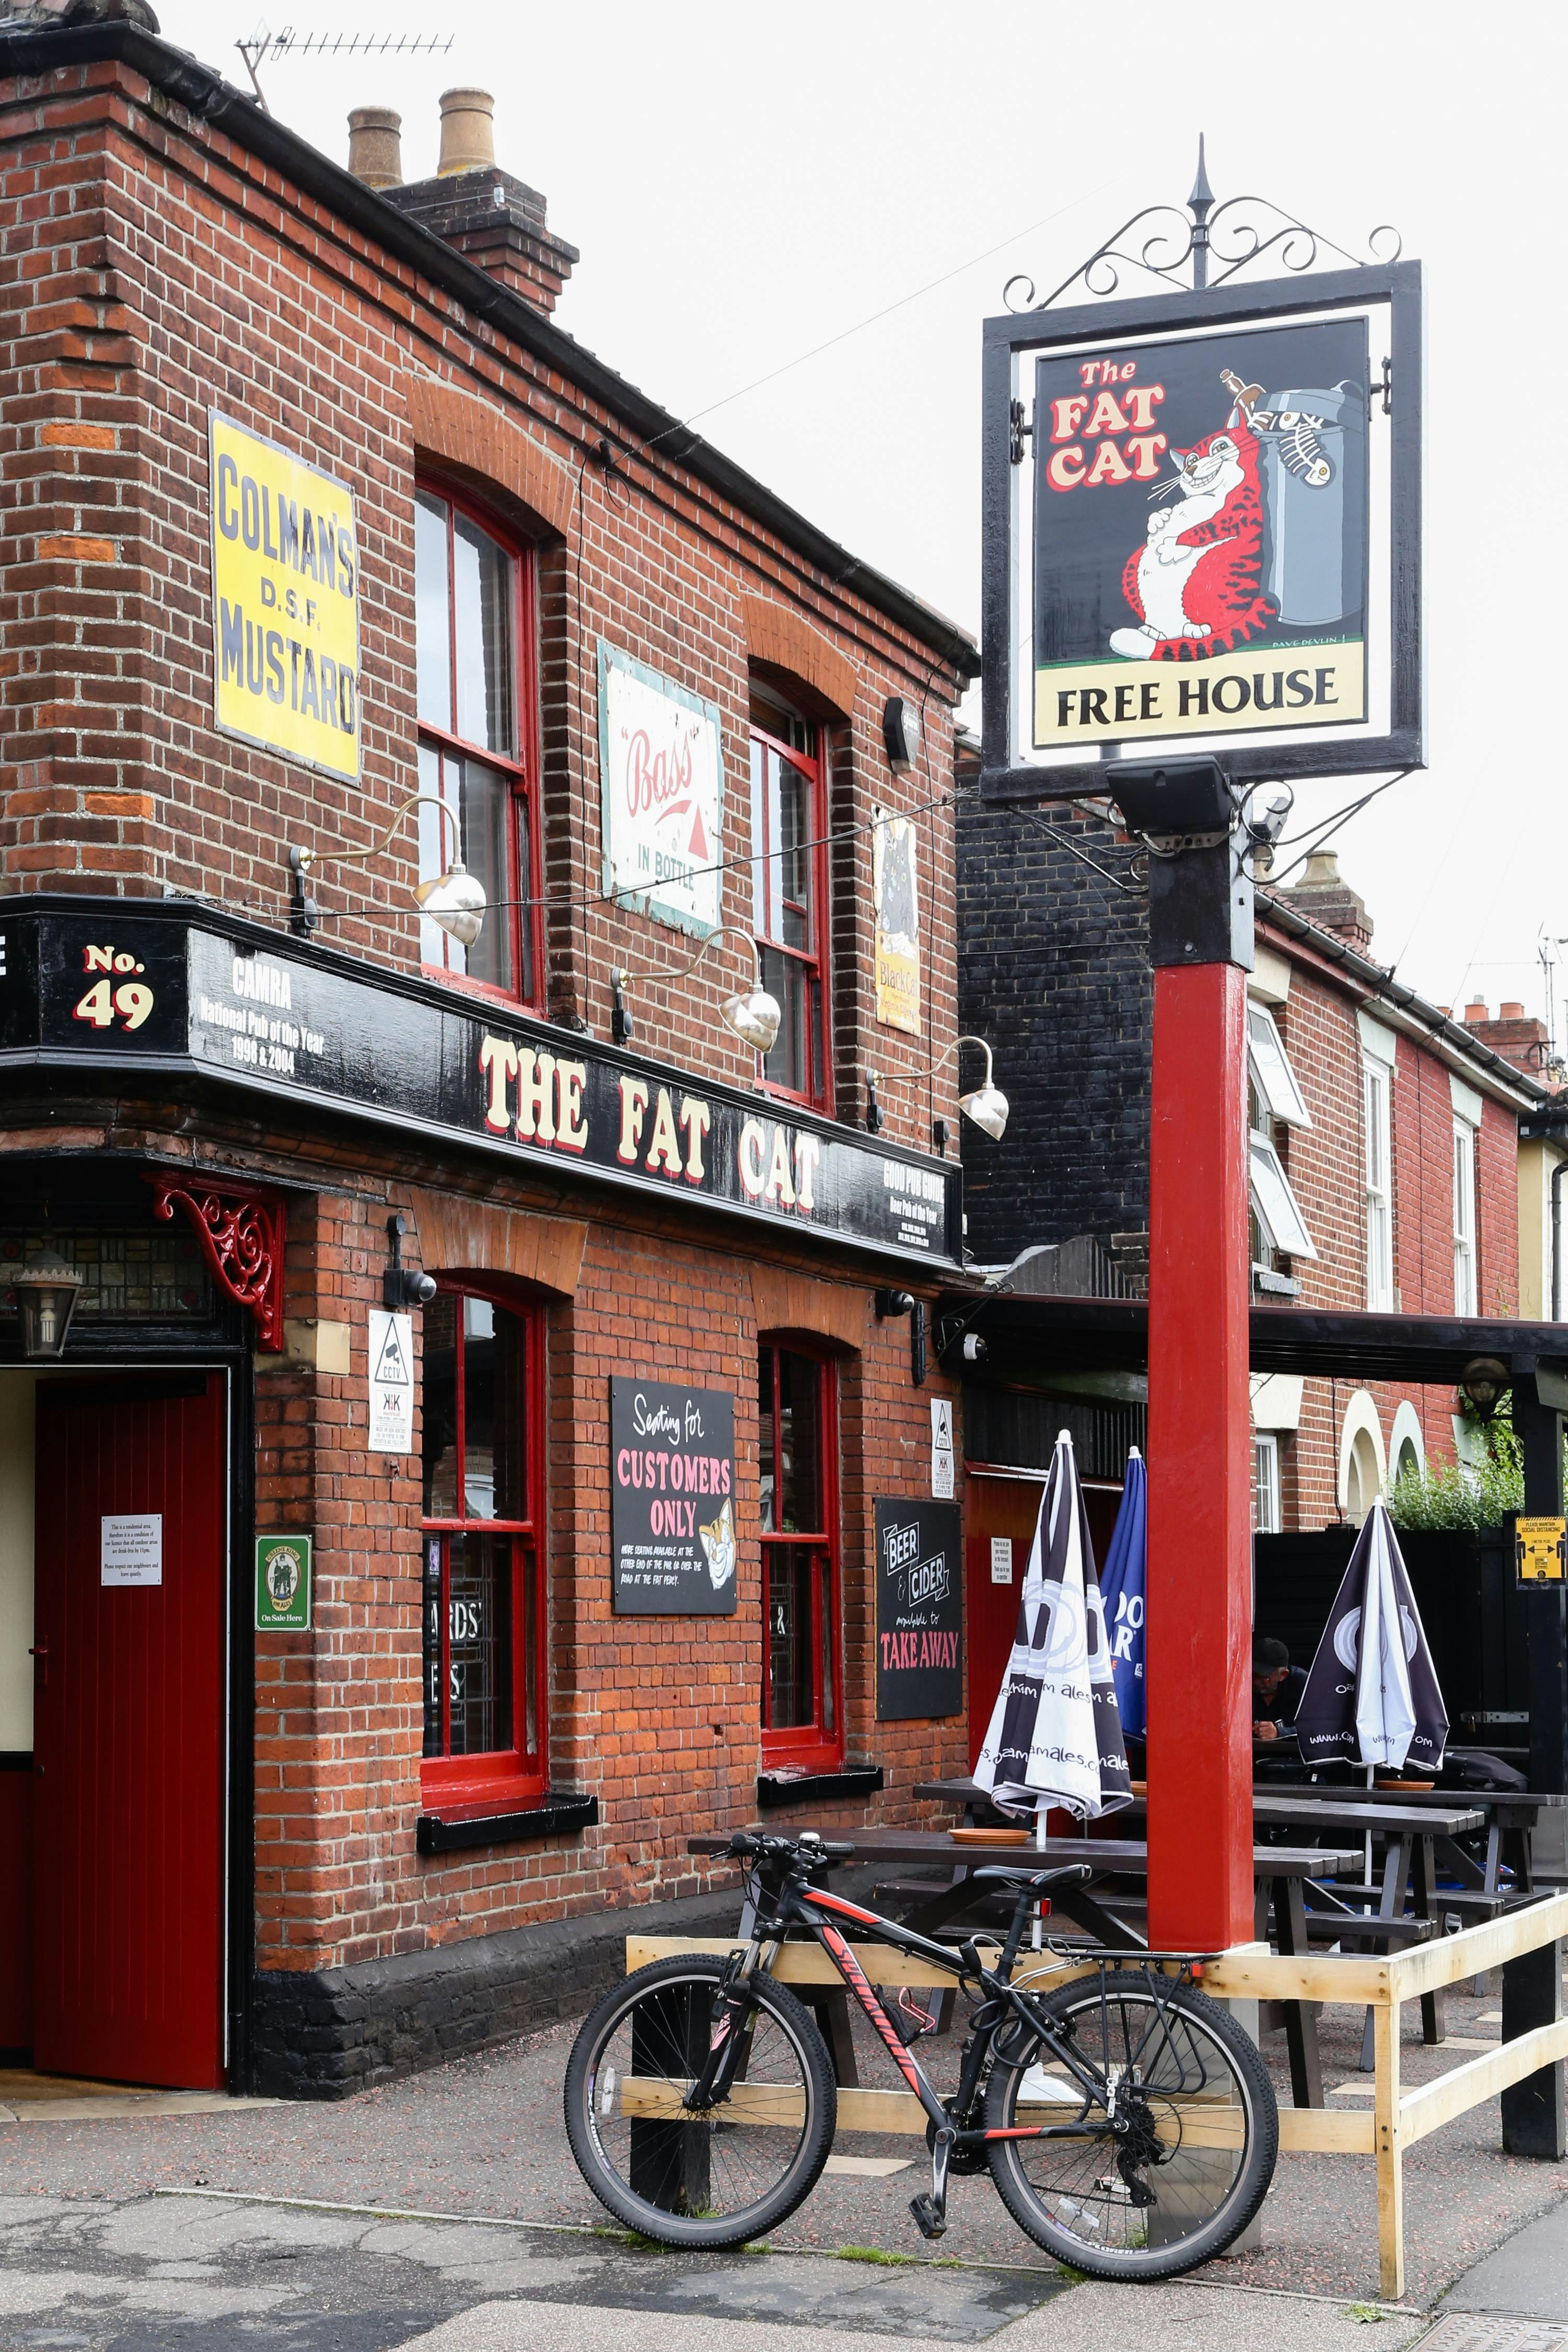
<point x="1280" y="1873"/>
<point x="1511" y="1815"/>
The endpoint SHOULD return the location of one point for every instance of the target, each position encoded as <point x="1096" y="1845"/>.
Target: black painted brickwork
<point x="1053" y="969"/>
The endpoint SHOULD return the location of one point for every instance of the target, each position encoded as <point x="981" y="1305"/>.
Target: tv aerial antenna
<point x="267" y="47"/>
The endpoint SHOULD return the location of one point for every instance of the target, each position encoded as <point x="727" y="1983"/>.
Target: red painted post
<point x="1200" y="1618"/>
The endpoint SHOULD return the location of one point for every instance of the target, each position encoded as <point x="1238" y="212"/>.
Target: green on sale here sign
<point x="282" y="1583"/>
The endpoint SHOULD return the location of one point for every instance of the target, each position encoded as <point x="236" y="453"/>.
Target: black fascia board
<point x="203" y="90"/>
<point x="1027" y="1336"/>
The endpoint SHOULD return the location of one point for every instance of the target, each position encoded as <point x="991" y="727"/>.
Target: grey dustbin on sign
<point x="1313" y="457"/>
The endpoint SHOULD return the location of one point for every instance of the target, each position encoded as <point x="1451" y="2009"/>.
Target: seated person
<point x="1276" y="1688"/>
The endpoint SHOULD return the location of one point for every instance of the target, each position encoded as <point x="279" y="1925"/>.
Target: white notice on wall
<point x="1001" y="1560"/>
<point x="942" y="1448"/>
<point x="391" y="1383"/>
<point x="131" y="1548"/>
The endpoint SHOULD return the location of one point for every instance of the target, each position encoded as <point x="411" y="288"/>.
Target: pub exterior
<point x="496" y="1431"/>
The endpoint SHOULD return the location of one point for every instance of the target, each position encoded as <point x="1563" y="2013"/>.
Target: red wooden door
<point x="128" y="1732"/>
<point x="1005" y="1509"/>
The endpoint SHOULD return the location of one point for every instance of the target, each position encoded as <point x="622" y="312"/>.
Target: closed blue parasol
<point x="1122" y="1596"/>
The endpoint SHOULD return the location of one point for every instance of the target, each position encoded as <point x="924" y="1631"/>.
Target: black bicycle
<point x="1128" y="2121"/>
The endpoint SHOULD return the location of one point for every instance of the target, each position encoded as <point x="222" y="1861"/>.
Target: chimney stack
<point x="468" y="132"/>
<point x="1515" y="1035"/>
<point x="488" y="215"/>
<point x="1325" y="898"/>
<point x="375" y="146"/>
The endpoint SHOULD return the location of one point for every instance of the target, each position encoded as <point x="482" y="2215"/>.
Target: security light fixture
<point x="47" y="1291"/>
<point x="454" y="898"/>
<point x="890" y="1303"/>
<point x="901" y="733"/>
<point x="872" y="1106"/>
<point x="401" y="1287"/>
<point x="1482" y="1383"/>
<point x="751" y="1013"/>
<point x="1173" y="800"/>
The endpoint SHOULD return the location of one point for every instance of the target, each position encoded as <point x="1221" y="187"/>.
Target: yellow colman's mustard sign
<point x="286" y="601"/>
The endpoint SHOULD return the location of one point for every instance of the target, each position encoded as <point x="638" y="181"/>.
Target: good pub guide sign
<point x="1203" y="529"/>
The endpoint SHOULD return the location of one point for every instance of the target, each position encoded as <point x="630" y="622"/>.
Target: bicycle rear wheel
<point x="1186" y="2176"/>
<point x="708" y="2177"/>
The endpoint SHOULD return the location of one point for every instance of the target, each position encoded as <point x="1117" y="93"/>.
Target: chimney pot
<point x="468" y="132"/>
<point x="1510" y="1012"/>
<point x="1476" y="1010"/>
<point x="375" y="146"/>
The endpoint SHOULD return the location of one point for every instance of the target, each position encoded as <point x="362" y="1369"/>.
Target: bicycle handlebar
<point x="752" y="1844"/>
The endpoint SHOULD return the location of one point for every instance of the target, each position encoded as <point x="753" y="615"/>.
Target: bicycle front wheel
<point x="1199" y="2128"/>
<point x="714" y="2176"/>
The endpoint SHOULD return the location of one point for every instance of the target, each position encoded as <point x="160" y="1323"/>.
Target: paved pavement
<point x="447" y="2213"/>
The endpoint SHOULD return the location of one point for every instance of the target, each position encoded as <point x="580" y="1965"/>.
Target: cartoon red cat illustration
<point x="1197" y="587"/>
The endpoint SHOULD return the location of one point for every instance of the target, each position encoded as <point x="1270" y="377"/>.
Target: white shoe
<point x="1134" y="645"/>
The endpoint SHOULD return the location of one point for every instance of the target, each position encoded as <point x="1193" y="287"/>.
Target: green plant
<point x="1467" y="1495"/>
<point x="1367" y="2314"/>
<point x="875" y="2254"/>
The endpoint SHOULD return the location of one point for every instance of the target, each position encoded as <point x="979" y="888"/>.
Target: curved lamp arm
<point x="729" y="930"/>
<point x="302" y="860"/>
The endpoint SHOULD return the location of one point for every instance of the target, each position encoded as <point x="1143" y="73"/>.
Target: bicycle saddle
<point x="1020" y="1873"/>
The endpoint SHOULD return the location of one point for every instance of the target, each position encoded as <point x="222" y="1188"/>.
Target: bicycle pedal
<point x="929" y="2220"/>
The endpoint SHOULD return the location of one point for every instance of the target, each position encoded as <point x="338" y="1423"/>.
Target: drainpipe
<point x="1557" y="1175"/>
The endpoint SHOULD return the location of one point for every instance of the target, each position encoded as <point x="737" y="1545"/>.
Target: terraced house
<point x="476" y="979"/>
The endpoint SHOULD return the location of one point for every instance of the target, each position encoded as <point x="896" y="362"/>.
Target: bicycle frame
<point x="801" y="1905"/>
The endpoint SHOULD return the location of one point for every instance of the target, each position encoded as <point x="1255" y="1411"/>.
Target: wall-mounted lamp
<point x="401" y="1287"/>
<point x="985" y="1104"/>
<point x="901" y="733"/>
<point x="47" y="1291"/>
<point x="1481" y="1385"/>
<point x="454" y="899"/>
<point x="751" y="1013"/>
<point x="873" y="1107"/>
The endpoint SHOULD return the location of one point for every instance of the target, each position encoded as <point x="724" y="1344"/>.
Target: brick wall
<point x="1054" y="973"/>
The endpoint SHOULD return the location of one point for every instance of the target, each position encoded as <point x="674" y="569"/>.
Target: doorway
<point x="129" y="1723"/>
<point x="1001" y="1511"/>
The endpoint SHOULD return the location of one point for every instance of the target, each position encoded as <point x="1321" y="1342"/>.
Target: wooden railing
<point x="1397" y="2119"/>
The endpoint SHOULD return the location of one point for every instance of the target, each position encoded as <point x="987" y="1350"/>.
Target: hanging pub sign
<point x="286" y="601"/>
<point x="1203" y="533"/>
<point x="660" y="767"/>
<point x="672" y="1500"/>
<point x="897" y="911"/>
<point x="919" y="1610"/>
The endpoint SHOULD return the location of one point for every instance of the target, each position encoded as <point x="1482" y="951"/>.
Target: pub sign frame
<point x="1293" y="459"/>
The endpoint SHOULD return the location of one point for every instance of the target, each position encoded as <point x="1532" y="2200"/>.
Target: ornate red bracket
<point x="241" y="1232"/>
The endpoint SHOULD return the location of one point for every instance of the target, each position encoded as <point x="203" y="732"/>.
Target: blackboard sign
<point x="671" y="1499"/>
<point x="919" y="1610"/>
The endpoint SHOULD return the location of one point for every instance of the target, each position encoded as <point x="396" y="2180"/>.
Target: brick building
<point x="311" y="507"/>
<point x="1385" y="1136"/>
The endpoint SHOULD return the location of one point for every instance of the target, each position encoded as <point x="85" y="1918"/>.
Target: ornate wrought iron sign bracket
<point x="241" y="1234"/>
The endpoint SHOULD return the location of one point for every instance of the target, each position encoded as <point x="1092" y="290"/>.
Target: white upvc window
<point x="1272" y="1072"/>
<point x="1378" y="1131"/>
<point x="1274" y="1205"/>
<point x="1266" y="1518"/>
<point x="1464" y="1218"/>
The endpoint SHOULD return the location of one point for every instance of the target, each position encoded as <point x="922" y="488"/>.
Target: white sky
<point x="745" y="183"/>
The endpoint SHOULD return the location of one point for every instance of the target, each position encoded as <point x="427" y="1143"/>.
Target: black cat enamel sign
<point x="1202" y="529"/>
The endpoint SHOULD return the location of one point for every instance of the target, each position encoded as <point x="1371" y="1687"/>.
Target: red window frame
<point x="817" y="1093"/>
<point x="526" y="922"/>
<point x="519" y="1771"/>
<point x="819" y="1744"/>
